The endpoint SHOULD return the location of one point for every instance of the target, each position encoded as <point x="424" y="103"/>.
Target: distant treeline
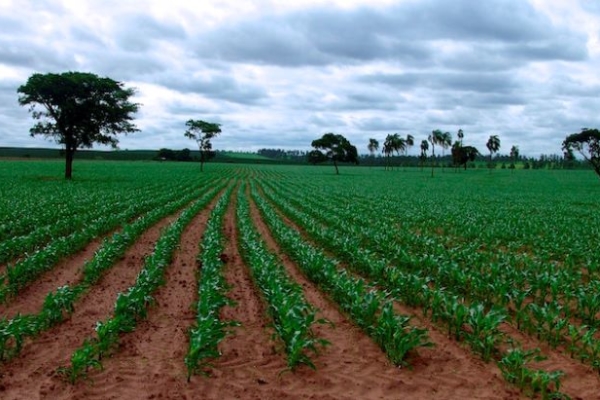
<point x="281" y="156"/>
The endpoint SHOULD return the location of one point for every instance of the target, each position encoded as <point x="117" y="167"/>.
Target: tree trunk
<point x="69" y="154"/>
<point x="432" y="159"/>
<point x="201" y="157"/>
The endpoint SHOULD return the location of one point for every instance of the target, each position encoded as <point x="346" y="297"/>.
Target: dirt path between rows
<point x="66" y="272"/>
<point x="32" y="375"/>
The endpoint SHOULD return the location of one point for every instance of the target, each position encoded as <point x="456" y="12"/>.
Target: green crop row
<point x="293" y="317"/>
<point x="209" y="330"/>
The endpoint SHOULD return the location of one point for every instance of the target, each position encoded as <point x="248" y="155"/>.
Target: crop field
<point x="152" y="280"/>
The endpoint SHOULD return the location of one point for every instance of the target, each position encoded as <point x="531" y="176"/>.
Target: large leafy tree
<point x="78" y="109"/>
<point x="587" y="143"/>
<point x="333" y="147"/>
<point x="493" y="145"/>
<point x="202" y="132"/>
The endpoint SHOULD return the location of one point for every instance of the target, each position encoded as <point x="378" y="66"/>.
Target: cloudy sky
<point x="278" y="74"/>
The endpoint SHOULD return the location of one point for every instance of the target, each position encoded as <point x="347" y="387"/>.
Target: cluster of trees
<point x="460" y="154"/>
<point x="281" y="154"/>
<point x="174" y="155"/>
<point x="79" y="109"/>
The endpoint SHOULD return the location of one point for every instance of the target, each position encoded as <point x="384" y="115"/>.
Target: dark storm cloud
<point x="33" y="55"/>
<point x="405" y="32"/>
<point x="139" y="33"/>
<point x="223" y="87"/>
<point x="461" y="81"/>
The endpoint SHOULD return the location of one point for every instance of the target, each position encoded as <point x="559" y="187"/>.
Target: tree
<point x="587" y="143"/>
<point x="514" y="155"/>
<point x="436" y="137"/>
<point x="409" y="142"/>
<point x="78" y="110"/>
<point x="424" y="150"/>
<point x="373" y="147"/>
<point x="335" y="148"/>
<point x="463" y="154"/>
<point x="393" y="143"/>
<point x="445" y="142"/>
<point x="202" y="132"/>
<point x="461" y="136"/>
<point x="493" y="145"/>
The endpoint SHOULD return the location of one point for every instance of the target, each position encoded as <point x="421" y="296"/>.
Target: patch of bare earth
<point x="353" y="366"/>
<point x="67" y="272"/>
<point x="32" y="375"/>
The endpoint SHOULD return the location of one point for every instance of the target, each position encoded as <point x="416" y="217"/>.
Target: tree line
<point x="80" y="109"/>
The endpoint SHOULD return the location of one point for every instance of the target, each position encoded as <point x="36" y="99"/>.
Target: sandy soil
<point x="149" y="362"/>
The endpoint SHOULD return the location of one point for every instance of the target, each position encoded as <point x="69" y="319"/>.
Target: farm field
<point x="154" y="280"/>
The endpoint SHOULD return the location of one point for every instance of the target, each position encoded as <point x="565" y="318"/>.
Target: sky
<point x="280" y="73"/>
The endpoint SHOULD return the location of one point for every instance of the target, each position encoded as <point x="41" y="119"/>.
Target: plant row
<point x="209" y="330"/>
<point x="293" y="317"/>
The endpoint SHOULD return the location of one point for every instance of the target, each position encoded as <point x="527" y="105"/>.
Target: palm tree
<point x="445" y="143"/>
<point x="493" y="145"/>
<point x="387" y="149"/>
<point x="434" y="138"/>
<point x="393" y="143"/>
<point x="461" y="135"/>
<point x="409" y="142"/>
<point x="514" y="155"/>
<point x="373" y="147"/>
<point x="424" y="150"/>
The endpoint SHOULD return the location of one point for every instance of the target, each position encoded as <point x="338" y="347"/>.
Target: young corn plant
<point x="514" y="369"/>
<point x="397" y="337"/>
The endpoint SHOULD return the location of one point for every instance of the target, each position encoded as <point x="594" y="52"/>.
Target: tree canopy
<point x="78" y="109"/>
<point x="587" y="143"/>
<point x="202" y="132"/>
<point x="333" y="147"/>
